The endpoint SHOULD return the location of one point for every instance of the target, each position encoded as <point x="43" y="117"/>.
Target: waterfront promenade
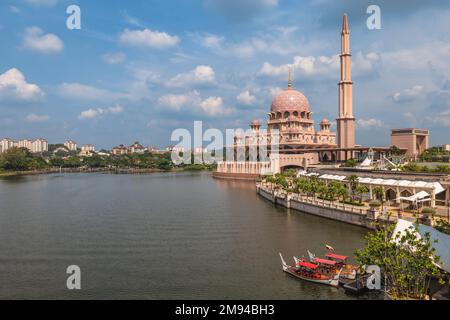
<point x="363" y="215"/>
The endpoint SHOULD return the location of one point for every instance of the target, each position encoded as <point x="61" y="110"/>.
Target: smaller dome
<point x="325" y="121"/>
<point x="255" y="123"/>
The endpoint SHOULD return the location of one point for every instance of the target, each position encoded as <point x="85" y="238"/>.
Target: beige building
<point x="25" y="144"/>
<point x="5" y="144"/>
<point x="88" y="148"/>
<point x="71" y="145"/>
<point x="39" y="145"/>
<point x="412" y="139"/>
<point x="119" y="150"/>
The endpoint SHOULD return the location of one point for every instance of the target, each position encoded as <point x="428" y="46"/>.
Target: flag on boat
<point x="311" y="255"/>
<point x="329" y="248"/>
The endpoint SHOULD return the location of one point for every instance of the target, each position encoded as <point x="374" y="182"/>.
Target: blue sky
<point x="139" y="69"/>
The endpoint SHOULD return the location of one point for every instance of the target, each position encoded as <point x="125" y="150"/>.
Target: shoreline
<point x="7" y="174"/>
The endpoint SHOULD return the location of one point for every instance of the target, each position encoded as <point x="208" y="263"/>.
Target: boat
<point x="310" y="272"/>
<point x="339" y="262"/>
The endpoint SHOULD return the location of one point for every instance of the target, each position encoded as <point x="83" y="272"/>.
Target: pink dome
<point x="255" y="123"/>
<point x="290" y="100"/>
<point x="325" y="121"/>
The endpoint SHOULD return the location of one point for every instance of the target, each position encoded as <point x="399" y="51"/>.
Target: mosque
<point x="300" y="145"/>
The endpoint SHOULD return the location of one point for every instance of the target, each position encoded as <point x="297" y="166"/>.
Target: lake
<point x="156" y="236"/>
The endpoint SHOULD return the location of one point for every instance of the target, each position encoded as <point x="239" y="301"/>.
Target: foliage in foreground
<point x="407" y="262"/>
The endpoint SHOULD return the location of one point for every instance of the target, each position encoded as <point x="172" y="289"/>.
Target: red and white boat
<point x="339" y="262"/>
<point x="311" y="272"/>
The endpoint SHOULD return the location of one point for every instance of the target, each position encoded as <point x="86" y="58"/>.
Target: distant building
<point x="200" y="150"/>
<point x="71" y="145"/>
<point x="152" y="149"/>
<point x="136" y="148"/>
<point x="446" y="147"/>
<point x="412" y="139"/>
<point x="119" y="150"/>
<point x="39" y="145"/>
<point x="174" y="149"/>
<point x="88" y="148"/>
<point x="25" y="144"/>
<point x="6" y="144"/>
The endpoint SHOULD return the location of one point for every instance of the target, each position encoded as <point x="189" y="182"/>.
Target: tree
<point x="360" y="190"/>
<point x="72" y="162"/>
<point x="17" y="159"/>
<point x="353" y="182"/>
<point x="164" y="164"/>
<point x="379" y="194"/>
<point x="342" y="192"/>
<point x="407" y="261"/>
<point x="351" y="163"/>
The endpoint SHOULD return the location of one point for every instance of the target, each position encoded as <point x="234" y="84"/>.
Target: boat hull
<point x="331" y="281"/>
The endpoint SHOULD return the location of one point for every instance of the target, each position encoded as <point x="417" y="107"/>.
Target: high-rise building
<point x="71" y="145"/>
<point x="39" y="145"/>
<point x="5" y="144"/>
<point x="25" y="144"/>
<point x="345" y="120"/>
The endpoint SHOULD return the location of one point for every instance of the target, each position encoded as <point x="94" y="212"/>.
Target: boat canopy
<point x="335" y="256"/>
<point x="308" y="265"/>
<point x="325" y="261"/>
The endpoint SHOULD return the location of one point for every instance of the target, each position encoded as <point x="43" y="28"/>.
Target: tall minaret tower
<point x="345" y="121"/>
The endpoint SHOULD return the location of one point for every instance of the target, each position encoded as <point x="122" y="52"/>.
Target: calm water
<point x="157" y="236"/>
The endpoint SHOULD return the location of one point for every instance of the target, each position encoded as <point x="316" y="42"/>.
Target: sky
<point x="137" y="70"/>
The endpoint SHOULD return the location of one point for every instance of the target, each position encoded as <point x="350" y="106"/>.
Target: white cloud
<point x="84" y="92"/>
<point x="201" y="75"/>
<point x="409" y="94"/>
<point x="246" y="98"/>
<point x="13" y="85"/>
<point x="114" y="58"/>
<point x="42" y="2"/>
<point x="442" y="118"/>
<point x="36" y="40"/>
<point x="212" y="41"/>
<point x="369" y="123"/>
<point x="308" y="66"/>
<point x="148" y="38"/>
<point x="97" y="112"/>
<point x="36" y="118"/>
<point x="320" y="65"/>
<point x="212" y="106"/>
<point x="274" y="91"/>
<point x="363" y="63"/>
<point x="178" y="101"/>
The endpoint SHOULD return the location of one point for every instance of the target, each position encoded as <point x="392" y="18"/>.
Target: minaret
<point x="345" y="121"/>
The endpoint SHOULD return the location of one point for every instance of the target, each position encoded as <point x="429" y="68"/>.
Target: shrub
<point x="374" y="204"/>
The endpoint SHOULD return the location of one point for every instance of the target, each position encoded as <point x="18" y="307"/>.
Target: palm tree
<point x="360" y="190"/>
<point x="322" y="190"/>
<point x="353" y="182"/>
<point x="378" y="192"/>
<point x="342" y="192"/>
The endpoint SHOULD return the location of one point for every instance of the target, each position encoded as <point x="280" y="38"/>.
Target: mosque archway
<point x="390" y="194"/>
